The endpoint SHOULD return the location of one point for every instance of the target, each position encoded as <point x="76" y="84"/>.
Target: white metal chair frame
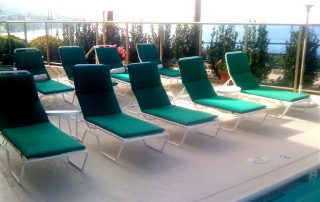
<point x="239" y="116"/>
<point x="92" y="128"/>
<point x="27" y="161"/>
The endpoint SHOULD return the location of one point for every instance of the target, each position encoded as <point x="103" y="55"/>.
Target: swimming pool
<point x="305" y="188"/>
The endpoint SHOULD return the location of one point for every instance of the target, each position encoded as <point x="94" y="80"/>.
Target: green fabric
<point x="148" y="52"/>
<point x="94" y="90"/>
<point x="239" y="70"/>
<point x="194" y="77"/>
<point x="41" y="140"/>
<point x="124" y="126"/>
<point x="19" y="103"/>
<point x="169" y="72"/>
<point x="146" y="85"/>
<point x="181" y="115"/>
<point x="199" y="89"/>
<point x="70" y="56"/>
<point x="196" y="82"/>
<point x="121" y="76"/>
<point x="109" y="56"/>
<point x="192" y="69"/>
<point x="31" y="61"/>
<point x="276" y="94"/>
<point x="152" y="97"/>
<point x="48" y="87"/>
<point x="114" y="83"/>
<point x="230" y="104"/>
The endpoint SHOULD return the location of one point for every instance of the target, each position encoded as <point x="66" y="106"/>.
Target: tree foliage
<point x="258" y="42"/>
<point x="53" y="44"/>
<point x="311" y="59"/>
<point x="136" y="36"/>
<point x="15" y="42"/>
<point x="185" y="41"/>
<point x="223" y="40"/>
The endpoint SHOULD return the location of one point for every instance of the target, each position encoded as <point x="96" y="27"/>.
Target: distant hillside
<point x="9" y="12"/>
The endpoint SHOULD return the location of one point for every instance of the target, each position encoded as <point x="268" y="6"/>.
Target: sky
<point x="269" y="11"/>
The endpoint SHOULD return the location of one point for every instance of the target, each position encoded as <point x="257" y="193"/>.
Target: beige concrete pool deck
<point x="236" y="166"/>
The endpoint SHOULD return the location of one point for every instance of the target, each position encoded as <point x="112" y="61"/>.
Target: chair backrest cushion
<point x="70" y="56"/>
<point x="94" y="90"/>
<point x="148" y="52"/>
<point x="194" y="78"/>
<point x="109" y="56"/>
<point x="239" y="70"/>
<point x="31" y="61"/>
<point x="19" y="103"/>
<point x="146" y="85"/>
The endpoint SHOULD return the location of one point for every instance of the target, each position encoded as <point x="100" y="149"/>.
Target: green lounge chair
<point x="201" y="92"/>
<point x="148" y="52"/>
<point x="70" y="56"/>
<point x="30" y="59"/>
<point x="241" y="75"/>
<point x="109" y="56"/>
<point x="101" y="109"/>
<point x="25" y="125"/>
<point x="154" y="102"/>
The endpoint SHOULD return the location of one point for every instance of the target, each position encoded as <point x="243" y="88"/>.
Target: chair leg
<point x="207" y="134"/>
<point x="163" y="146"/>
<point x="182" y="139"/>
<point x="77" y="166"/>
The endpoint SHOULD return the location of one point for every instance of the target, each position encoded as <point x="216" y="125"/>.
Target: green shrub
<point x="15" y="42"/>
<point x="53" y="43"/>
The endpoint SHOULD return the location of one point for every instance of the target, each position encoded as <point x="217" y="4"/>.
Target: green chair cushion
<point x="180" y="115"/>
<point x="192" y="69"/>
<point x="51" y="87"/>
<point x="230" y="104"/>
<point x="114" y="83"/>
<point x="31" y="61"/>
<point x="147" y="89"/>
<point x="124" y="126"/>
<point x="109" y="56"/>
<point x="70" y="56"/>
<point x="152" y="97"/>
<point x="41" y="140"/>
<point x="121" y="76"/>
<point x="239" y="70"/>
<point x="277" y="94"/>
<point x="169" y="72"/>
<point x="245" y="80"/>
<point x="199" y="89"/>
<point x="148" y="52"/>
<point x="19" y="103"/>
<point x="94" y="90"/>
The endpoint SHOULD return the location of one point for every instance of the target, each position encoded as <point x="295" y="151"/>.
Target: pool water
<point x="302" y="189"/>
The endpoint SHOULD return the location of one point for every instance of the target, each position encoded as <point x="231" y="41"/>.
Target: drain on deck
<point x="258" y="159"/>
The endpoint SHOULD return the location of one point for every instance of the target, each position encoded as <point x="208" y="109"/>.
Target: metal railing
<point x="126" y="25"/>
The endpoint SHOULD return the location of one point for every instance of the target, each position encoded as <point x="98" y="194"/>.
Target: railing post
<point x="25" y="34"/>
<point x="97" y="33"/>
<point x="70" y="36"/>
<point x="296" y="68"/>
<point x="104" y="38"/>
<point x="245" y="40"/>
<point x="200" y="39"/>
<point x="127" y="44"/>
<point x="161" y="29"/>
<point x="47" y="41"/>
<point x="9" y="41"/>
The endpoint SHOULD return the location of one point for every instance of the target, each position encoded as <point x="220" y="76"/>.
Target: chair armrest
<point x="63" y="112"/>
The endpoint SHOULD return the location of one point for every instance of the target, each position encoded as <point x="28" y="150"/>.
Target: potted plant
<point x="221" y="66"/>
